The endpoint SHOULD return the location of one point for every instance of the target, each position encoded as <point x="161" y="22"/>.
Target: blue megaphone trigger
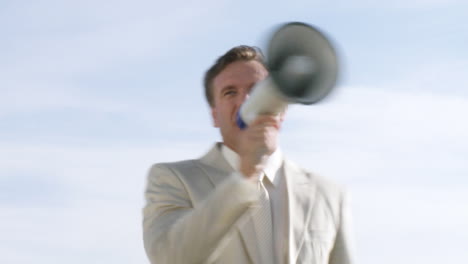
<point x="240" y="123"/>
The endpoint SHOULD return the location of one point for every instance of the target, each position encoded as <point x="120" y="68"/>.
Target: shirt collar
<point x="272" y="167"/>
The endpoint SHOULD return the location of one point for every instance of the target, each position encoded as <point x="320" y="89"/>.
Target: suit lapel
<point x="218" y="170"/>
<point x="301" y="198"/>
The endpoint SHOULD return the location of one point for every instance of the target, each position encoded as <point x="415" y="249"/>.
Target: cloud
<point x="409" y="224"/>
<point x="382" y="135"/>
<point x="76" y="197"/>
<point x="77" y="204"/>
<point x="138" y="37"/>
<point x="90" y="167"/>
<point x="400" y="4"/>
<point x="102" y="232"/>
<point x="441" y="77"/>
<point x="360" y="138"/>
<point x="75" y="57"/>
<point x="23" y="96"/>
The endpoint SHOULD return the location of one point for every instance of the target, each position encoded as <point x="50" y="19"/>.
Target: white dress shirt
<point x="277" y="191"/>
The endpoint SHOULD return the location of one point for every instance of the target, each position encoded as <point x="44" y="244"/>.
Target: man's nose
<point x="246" y="96"/>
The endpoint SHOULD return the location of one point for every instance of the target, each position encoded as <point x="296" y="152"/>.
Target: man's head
<point x="227" y="86"/>
<point x="239" y="53"/>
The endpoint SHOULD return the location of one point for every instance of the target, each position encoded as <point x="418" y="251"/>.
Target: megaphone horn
<point x="303" y="68"/>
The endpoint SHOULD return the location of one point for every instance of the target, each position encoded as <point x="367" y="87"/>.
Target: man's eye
<point x="228" y="93"/>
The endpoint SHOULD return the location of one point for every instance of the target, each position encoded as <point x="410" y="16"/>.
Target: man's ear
<point x="214" y="115"/>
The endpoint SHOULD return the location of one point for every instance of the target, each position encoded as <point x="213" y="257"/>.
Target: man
<point x="242" y="202"/>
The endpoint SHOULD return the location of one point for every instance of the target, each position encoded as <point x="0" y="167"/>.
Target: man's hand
<point x="257" y="142"/>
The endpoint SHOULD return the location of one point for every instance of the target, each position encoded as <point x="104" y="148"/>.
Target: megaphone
<point x="303" y="68"/>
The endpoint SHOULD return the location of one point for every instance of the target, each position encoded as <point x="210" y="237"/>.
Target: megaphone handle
<point x="240" y="122"/>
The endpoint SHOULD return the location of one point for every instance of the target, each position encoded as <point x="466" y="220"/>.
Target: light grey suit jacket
<point x="199" y="211"/>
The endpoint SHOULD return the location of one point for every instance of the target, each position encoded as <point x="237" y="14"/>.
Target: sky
<point x="92" y="93"/>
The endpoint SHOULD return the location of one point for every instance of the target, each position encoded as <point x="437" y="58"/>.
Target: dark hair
<point x="239" y="53"/>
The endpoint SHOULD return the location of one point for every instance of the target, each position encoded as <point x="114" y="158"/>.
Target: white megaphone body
<point x="303" y="69"/>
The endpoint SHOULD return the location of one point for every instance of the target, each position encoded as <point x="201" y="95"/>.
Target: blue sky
<point x="93" y="92"/>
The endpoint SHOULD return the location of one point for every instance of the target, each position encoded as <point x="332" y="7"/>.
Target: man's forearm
<point x="174" y="232"/>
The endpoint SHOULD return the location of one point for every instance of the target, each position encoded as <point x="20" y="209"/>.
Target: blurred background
<point x="94" y="92"/>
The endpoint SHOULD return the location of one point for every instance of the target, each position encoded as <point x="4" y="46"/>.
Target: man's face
<point x="231" y="88"/>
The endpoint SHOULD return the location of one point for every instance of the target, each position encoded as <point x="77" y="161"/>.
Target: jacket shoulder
<point x="324" y="185"/>
<point x="178" y="168"/>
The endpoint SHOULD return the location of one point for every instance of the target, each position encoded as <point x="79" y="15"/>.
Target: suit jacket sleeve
<point x="176" y="232"/>
<point x="342" y="252"/>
